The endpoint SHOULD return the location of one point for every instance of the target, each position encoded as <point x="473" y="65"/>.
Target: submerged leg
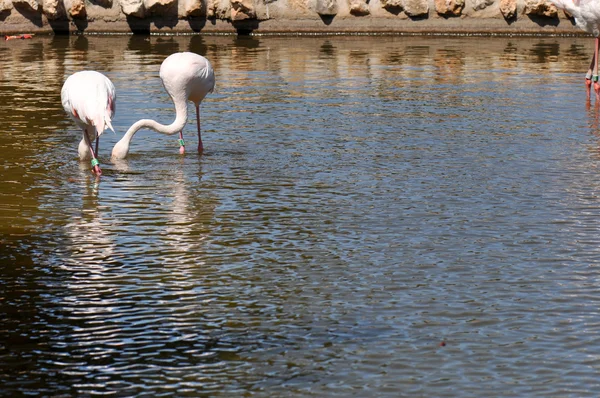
<point x="588" y="77"/>
<point x="95" y="164"/>
<point x="595" y="73"/>
<point x="181" y="143"/>
<point x="200" y="146"/>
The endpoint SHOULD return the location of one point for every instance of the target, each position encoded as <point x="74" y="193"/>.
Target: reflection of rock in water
<point x="81" y="43"/>
<point x="166" y="46"/>
<point x="247" y="42"/>
<point x="327" y="49"/>
<point x="198" y="45"/>
<point x="545" y="51"/>
<point x="139" y="43"/>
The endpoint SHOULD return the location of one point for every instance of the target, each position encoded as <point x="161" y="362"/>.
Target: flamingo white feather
<point x="89" y="98"/>
<point x="187" y="77"/>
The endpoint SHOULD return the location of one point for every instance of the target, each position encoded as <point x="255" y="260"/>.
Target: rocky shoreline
<point x="458" y="17"/>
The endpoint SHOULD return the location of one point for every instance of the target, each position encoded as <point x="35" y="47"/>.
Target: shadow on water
<point x="30" y="320"/>
<point x="45" y="319"/>
<point x="76" y="281"/>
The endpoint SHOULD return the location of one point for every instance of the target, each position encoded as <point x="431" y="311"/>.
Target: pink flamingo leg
<point x="97" y="142"/>
<point x="95" y="166"/>
<point x="588" y="77"/>
<point x="181" y="143"/>
<point x="595" y="75"/>
<point x="200" y="146"/>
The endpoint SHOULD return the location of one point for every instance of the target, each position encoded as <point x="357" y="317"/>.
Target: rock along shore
<point x="502" y="17"/>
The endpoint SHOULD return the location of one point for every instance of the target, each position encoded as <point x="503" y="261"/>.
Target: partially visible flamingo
<point x="89" y="98"/>
<point x="587" y="18"/>
<point x="186" y="77"/>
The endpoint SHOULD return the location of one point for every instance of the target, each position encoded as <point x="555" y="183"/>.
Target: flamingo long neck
<point x="178" y="124"/>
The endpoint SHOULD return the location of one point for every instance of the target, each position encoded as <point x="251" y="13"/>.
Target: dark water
<point x="360" y="201"/>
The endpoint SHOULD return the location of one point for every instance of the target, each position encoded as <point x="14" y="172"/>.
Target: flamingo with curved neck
<point x="186" y="77"/>
<point x="89" y="98"/>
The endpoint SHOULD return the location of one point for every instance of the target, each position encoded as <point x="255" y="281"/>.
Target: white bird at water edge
<point x="187" y="77"/>
<point x="587" y="18"/>
<point x="89" y="98"/>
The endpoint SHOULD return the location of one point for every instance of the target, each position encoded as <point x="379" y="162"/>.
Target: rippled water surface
<point x="360" y="201"/>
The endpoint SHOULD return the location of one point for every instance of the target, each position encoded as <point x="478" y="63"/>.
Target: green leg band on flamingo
<point x="181" y="142"/>
<point x="95" y="162"/>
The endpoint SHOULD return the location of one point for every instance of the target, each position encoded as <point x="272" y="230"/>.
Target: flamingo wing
<point x="89" y="97"/>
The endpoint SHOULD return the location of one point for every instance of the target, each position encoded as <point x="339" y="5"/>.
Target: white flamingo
<point x="89" y="98"/>
<point x="186" y="77"/>
<point x="587" y="18"/>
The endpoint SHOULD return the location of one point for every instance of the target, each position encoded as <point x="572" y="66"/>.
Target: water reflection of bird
<point x="587" y="18"/>
<point x="89" y="98"/>
<point x="186" y="77"/>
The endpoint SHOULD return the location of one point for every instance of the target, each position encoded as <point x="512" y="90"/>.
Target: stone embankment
<point x="285" y="16"/>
